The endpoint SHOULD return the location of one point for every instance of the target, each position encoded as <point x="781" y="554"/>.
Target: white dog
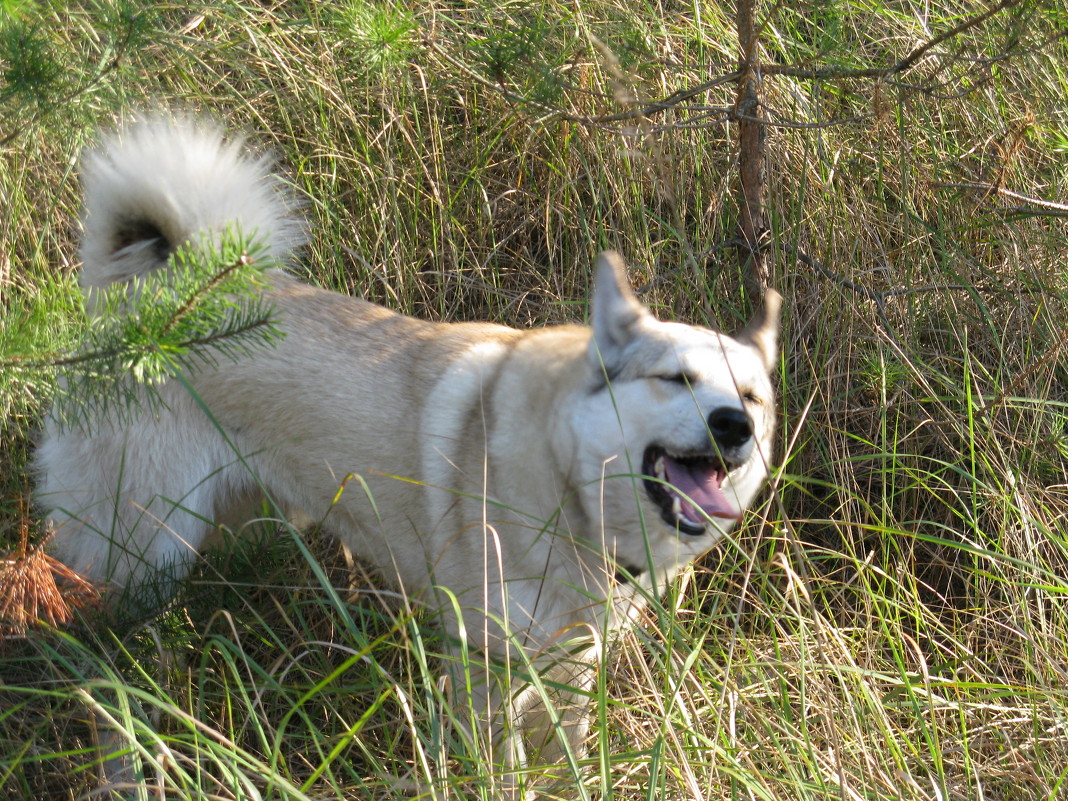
<point x="533" y="486"/>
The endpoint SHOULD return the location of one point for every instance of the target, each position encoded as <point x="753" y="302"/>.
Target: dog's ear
<point x="762" y="332"/>
<point x="615" y="314"/>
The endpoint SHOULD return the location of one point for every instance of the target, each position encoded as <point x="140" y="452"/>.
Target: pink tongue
<point x="701" y="486"/>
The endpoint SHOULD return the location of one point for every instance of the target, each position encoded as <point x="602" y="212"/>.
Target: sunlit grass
<point x="891" y="623"/>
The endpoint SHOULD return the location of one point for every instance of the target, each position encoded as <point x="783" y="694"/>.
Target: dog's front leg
<point x="488" y="724"/>
<point x="536" y="715"/>
<point x="553" y="715"/>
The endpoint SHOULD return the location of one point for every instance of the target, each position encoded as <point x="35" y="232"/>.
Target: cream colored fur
<point x="500" y="471"/>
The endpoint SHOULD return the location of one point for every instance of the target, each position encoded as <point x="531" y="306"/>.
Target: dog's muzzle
<point x="687" y="486"/>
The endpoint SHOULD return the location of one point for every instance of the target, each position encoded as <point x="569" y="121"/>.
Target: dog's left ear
<point x="615" y="314"/>
<point x="762" y="333"/>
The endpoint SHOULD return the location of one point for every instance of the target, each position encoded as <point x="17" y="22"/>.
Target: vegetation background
<point x="890" y="624"/>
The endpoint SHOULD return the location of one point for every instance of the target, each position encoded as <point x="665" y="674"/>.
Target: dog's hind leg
<point x="131" y="508"/>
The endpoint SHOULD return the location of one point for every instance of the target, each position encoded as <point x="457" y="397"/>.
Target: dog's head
<point x="674" y="434"/>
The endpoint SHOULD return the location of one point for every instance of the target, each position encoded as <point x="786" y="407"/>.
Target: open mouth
<point x="687" y="488"/>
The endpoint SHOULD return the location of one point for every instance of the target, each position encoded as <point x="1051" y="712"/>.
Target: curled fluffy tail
<point x="156" y="184"/>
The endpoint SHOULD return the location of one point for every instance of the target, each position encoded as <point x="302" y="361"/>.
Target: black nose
<point x="730" y="427"/>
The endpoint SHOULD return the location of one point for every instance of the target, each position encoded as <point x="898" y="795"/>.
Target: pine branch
<point x="182" y="318"/>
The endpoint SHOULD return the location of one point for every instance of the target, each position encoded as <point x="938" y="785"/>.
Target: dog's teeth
<point x="676" y="506"/>
<point x="659" y="467"/>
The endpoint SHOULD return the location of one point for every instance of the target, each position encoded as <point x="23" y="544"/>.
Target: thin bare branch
<point x="838" y="73"/>
<point x="1053" y="208"/>
<point x="808" y="125"/>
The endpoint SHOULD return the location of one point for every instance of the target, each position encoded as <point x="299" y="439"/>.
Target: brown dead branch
<point x="36" y="588"/>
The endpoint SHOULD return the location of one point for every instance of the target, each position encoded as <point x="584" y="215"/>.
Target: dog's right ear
<point x="616" y="315"/>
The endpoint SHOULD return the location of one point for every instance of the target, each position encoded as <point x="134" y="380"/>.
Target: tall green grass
<point x="890" y="624"/>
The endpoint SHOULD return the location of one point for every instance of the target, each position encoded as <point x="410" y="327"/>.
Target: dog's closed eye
<point x="684" y="379"/>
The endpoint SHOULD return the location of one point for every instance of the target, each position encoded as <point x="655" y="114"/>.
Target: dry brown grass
<point x="891" y="625"/>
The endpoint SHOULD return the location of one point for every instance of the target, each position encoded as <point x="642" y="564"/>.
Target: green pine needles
<point x="207" y="305"/>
